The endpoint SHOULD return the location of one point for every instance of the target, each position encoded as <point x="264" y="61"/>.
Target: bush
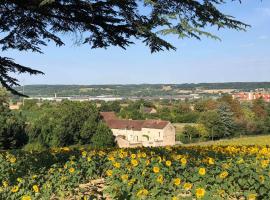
<point x="34" y="146"/>
<point x="12" y="130"/>
<point x="103" y="137"/>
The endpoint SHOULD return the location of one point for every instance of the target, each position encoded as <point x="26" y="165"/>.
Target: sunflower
<point x="177" y="181"/>
<point x="84" y="154"/>
<point x="26" y="197"/>
<point x="15" y="189"/>
<point x="124" y="177"/>
<point x="117" y="164"/>
<point x="261" y="178"/>
<point x="5" y="184"/>
<point x="65" y="149"/>
<point x="111" y="158"/>
<point x="211" y="161"/>
<point x="147" y="162"/>
<point x="71" y="170"/>
<point x="183" y="161"/>
<point x="187" y="186"/>
<point x="132" y="181"/>
<point x="264" y="163"/>
<point x="20" y="180"/>
<point x="109" y="172"/>
<point x="160" y="179"/>
<point x="12" y="160"/>
<point x="252" y="196"/>
<point x="223" y="174"/>
<point x="156" y="169"/>
<point x="134" y="163"/>
<point x="202" y="171"/>
<point x="89" y="159"/>
<point x="35" y="188"/>
<point x="168" y="163"/>
<point x="142" y="192"/>
<point x="200" y="192"/>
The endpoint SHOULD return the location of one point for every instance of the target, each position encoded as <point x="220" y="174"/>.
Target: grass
<point x="179" y="126"/>
<point x="251" y="140"/>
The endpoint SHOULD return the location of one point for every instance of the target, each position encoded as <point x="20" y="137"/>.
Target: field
<point x="193" y="172"/>
<point x="252" y="140"/>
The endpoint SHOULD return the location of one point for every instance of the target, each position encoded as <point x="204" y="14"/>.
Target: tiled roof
<point x="114" y="123"/>
<point x="108" y="115"/>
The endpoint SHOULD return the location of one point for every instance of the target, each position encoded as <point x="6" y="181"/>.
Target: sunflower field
<point x="213" y="172"/>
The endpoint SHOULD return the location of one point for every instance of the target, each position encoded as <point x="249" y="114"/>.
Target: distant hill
<point x="140" y="90"/>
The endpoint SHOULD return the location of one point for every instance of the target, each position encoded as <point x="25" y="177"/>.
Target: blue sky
<point x="240" y="56"/>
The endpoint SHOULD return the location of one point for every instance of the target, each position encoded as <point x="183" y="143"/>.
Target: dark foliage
<point x="8" y="66"/>
<point x="12" y="129"/>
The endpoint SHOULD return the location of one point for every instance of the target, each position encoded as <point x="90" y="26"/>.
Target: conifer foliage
<point x="30" y="24"/>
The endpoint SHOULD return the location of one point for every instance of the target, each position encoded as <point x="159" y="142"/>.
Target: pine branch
<point x="8" y="66"/>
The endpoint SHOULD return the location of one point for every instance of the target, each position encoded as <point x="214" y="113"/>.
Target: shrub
<point x="12" y="130"/>
<point x="34" y="146"/>
<point x="103" y="137"/>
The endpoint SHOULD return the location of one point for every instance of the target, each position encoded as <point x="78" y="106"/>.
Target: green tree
<point x="234" y="105"/>
<point x="4" y="98"/>
<point x="12" y="126"/>
<point x="30" y="24"/>
<point x="30" y="104"/>
<point x="103" y="137"/>
<point x="226" y="119"/>
<point x="212" y="121"/>
<point x="202" y="131"/>
<point x="259" y="108"/>
<point x="65" y="124"/>
<point x="113" y="106"/>
<point x="205" y="105"/>
<point x="190" y="132"/>
<point x="88" y="129"/>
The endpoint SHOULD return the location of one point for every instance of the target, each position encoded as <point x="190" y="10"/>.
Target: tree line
<point x="52" y="125"/>
<point x="207" y="119"/>
<point x="140" y="90"/>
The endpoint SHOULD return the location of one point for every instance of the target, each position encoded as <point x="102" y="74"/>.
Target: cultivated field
<point x="194" y="172"/>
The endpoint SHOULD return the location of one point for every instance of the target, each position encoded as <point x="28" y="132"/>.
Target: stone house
<point x="149" y="110"/>
<point x="138" y="133"/>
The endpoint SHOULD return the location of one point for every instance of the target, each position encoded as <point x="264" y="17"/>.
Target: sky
<point x="238" y="57"/>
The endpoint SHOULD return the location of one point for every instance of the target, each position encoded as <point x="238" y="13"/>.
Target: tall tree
<point x="211" y="120"/>
<point x="30" y="24"/>
<point x="234" y="105"/>
<point x="226" y="118"/>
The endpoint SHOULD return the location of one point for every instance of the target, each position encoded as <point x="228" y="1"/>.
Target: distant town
<point x="241" y="91"/>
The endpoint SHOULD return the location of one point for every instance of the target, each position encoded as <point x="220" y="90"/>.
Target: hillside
<point x="141" y="90"/>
